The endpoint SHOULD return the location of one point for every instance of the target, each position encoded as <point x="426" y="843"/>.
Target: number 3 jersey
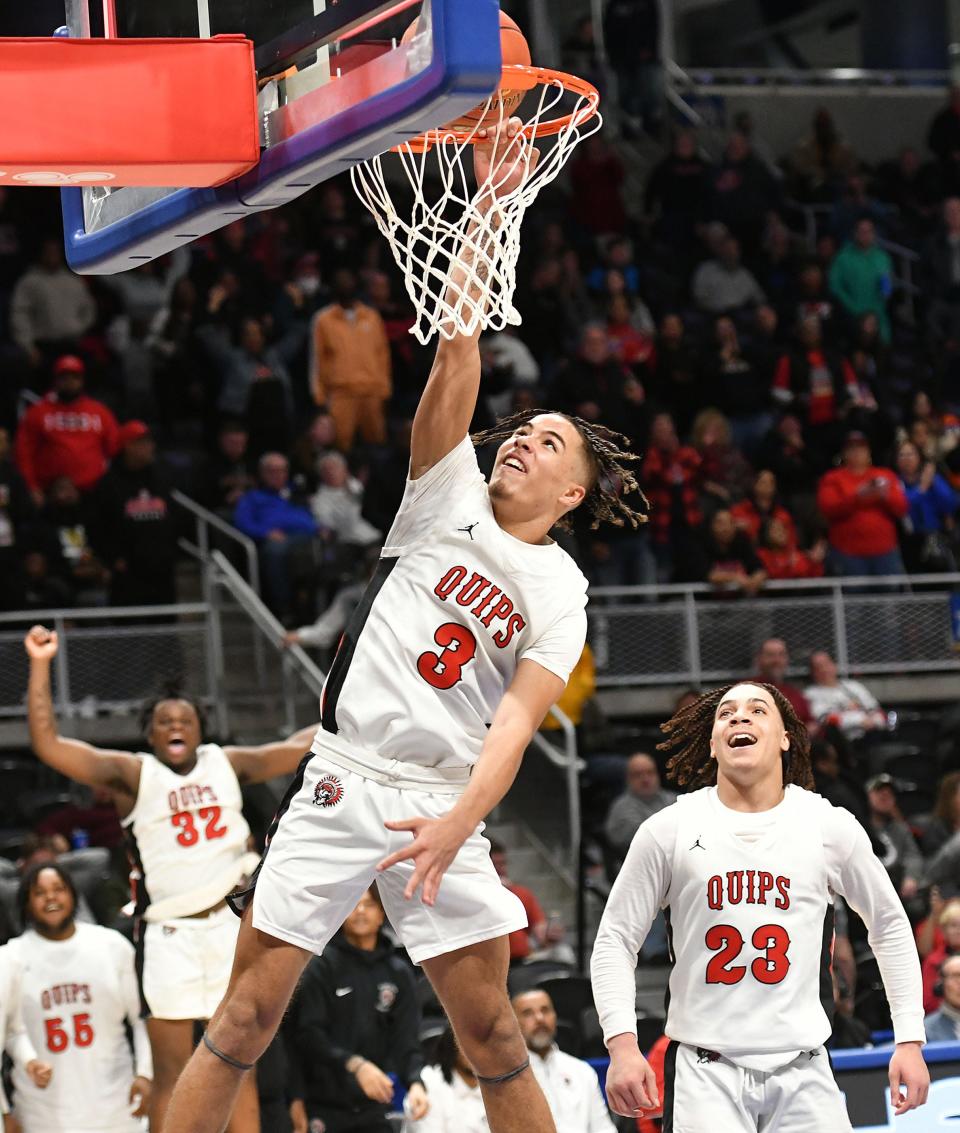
<point x="455" y="604"/>
<point x="748" y="899"/>
<point x="76" y="996"/>
<point x="188" y="835"/>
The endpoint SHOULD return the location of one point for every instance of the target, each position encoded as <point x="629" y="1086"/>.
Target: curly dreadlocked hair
<point x="172" y="688"/>
<point x="688" y="737"/>
<point x="610" y="477"/>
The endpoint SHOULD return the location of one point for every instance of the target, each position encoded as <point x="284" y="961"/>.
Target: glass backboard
<point x="336" y="87"/>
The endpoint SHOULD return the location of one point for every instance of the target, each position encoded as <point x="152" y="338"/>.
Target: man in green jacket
<point x="861" y="276"/>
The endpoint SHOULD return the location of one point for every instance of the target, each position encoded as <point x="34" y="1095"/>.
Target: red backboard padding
<point x="133" y="111"/>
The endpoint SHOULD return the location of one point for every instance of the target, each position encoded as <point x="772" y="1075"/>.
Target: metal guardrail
<point x="567" y="760"/>
<point x="207" y="520"/>
<point x="109" y="660"/>
<point x="694" y="635"/>
<point x="295" y="663"/>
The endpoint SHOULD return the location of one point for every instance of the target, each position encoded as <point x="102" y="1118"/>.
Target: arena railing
<point x="690" y="634"/>
<point x="297" y="668"/>
<point x="110" y="658"/>
<point x="207" y="521"/>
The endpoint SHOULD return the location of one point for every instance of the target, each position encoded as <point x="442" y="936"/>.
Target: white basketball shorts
<point x="184" y="964"/>
<point x="705" y="1093"/>
<point x="330" y="835"/>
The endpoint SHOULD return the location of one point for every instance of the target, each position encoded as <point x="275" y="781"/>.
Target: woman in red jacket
<point x="862" y="504"/>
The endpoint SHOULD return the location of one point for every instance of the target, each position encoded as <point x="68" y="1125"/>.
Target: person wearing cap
<point x="66" y="433"/>
<point x="135" y="531"/>
<point x="901" y="855"/>
<point x="862" y="504"/>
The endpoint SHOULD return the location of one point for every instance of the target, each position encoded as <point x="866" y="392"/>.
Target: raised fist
<point x="41" y="643"/>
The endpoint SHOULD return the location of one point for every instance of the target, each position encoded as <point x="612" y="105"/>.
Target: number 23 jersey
<point x="748" y="898"/>
<point x="454" y="605"/>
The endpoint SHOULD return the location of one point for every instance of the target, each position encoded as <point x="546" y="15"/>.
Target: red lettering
<point x="485" y="601"/>
<point x="502" y="637"/>
<point x="45" y="1000"/>
<point x="503" y="609"/>
<point x="735" y="887"/>
<point x="450" y="581"/>
<point x="783" y="888"/>
<point x="715" y="892"/>
<point x="472" y="589"/>
<point x="751" y="898"/>
<point x="172" y="801"/>
<point x="764" y="885"/>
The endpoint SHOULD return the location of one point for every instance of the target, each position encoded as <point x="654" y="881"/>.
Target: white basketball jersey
<point x="75" y="996"/>
<point x="455" y="604"/>
<point x="751" y="926"/>
<point x="188" y="833"/>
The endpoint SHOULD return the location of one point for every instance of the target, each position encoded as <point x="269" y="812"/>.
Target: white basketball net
<point x="451" y="229"/>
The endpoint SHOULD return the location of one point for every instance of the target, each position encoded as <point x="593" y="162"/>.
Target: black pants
<point x="372" y="1120"/>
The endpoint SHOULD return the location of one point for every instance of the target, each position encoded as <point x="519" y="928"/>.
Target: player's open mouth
<point x="515" y="463"/>
<point x="53" y="908"/>
<point x="176" y="747"/>
<point x="742" y="739"/>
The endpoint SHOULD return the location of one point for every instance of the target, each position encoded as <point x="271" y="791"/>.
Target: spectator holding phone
<point x="862" y="504"/>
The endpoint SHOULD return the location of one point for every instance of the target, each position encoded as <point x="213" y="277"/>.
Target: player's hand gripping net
<point x="459" y="248"/>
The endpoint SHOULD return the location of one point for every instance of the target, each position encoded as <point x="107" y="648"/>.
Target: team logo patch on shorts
<point x="328" y="792"/>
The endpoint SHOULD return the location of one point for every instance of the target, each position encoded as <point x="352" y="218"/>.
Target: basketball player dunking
<point x="182" y="808"/>
<point x="746" y="870"/>
<point x="464" y="639"/>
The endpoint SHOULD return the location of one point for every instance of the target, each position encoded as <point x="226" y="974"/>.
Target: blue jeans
<point x="849" y="566"/>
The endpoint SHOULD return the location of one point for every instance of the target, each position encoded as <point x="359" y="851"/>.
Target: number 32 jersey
<point x="187" y="835"/>
<point x="454" y="605"/>
<point x="748" y="898"/>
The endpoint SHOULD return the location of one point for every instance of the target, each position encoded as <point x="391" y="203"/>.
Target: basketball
<point x="513" y="49"/>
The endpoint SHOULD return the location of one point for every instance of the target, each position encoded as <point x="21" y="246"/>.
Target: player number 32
<point x="189" y="835"/>
<point x="770" y="967"/>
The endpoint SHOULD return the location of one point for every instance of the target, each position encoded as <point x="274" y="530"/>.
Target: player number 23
<point x="458" y="647"/>
<point x="189" y="834"/>
<point x="771" y="940"/>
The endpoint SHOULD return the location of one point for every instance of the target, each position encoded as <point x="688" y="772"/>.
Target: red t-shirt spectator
<point x="789" y="563"/>
<point x="750" y="519"/>
<point x="520" y="939"/>
<point x="930" y="969"/>
<point x="74" y="438"/>
<point x="861" y="522"/>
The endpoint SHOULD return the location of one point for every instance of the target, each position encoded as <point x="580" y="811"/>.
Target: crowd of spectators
<point x="794" y="415"/>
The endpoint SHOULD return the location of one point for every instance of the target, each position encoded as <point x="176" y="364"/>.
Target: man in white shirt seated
<point x="943" y="1025"/>
<point x="845" y="703"/>
<point x="569" y="1084"/>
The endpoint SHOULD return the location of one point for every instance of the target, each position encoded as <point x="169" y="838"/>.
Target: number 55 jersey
<point x="77" y="995"/>
<point x="749" y="904"/>
<point x="454" y="605"/>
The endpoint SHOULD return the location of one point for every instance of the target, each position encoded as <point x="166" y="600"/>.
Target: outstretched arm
<point x="119" y="771"/>
<point x="258" y="764"/>
<point x="450" y="396"/>
<point x="532" y="692"/>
